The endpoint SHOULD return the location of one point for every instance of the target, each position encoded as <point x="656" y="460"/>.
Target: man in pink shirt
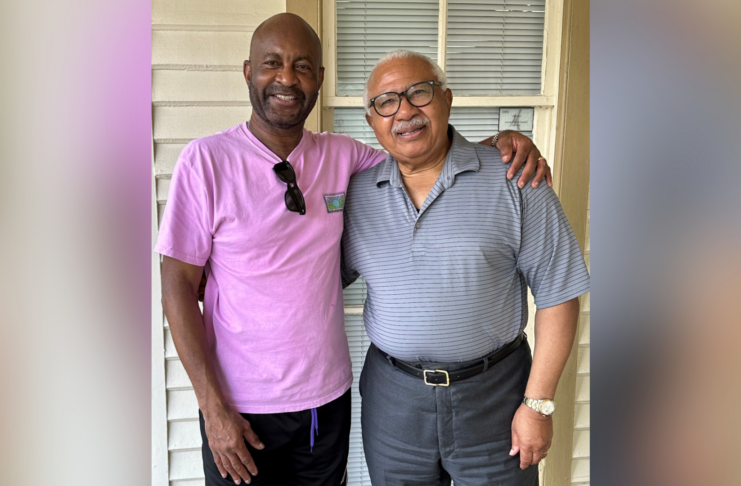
<point x="259" y="207"/>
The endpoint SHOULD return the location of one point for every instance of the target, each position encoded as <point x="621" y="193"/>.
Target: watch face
<point x="548" y="407"/>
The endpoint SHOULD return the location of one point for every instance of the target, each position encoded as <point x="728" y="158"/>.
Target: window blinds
<point x="351" y="121"/>
<point x="366" y="30"/>
<point x="495" y="47"/>
<point x="357" y="469"/>
<point x="476" y="124"/>
<point x="355" y="294"/>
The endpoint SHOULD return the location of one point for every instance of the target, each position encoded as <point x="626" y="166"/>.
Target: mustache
<point x="406" y="125"/>
<point x="285" y="91"/>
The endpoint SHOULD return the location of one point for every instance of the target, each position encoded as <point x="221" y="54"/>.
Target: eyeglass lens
<point x="418" y="95"/>
<point x="285" y="173"/>
<point x="295" y="200"/>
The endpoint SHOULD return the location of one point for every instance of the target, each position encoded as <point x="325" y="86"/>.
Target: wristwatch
<point x="495" y="139"/>
<point x="544" y="407"/>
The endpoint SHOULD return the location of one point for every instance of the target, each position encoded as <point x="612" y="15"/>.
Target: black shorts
<point x="288" y="458"/>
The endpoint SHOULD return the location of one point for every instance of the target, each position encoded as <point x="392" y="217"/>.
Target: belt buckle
<point x="447" y="377"/>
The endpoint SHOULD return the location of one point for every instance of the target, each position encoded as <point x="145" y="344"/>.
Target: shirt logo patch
<point x="334" y="202"/>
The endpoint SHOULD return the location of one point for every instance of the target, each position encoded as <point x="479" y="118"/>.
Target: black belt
<point x="445" y="378"/>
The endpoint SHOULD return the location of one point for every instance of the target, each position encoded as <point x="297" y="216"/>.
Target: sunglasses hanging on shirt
<point x="293" y="197"/>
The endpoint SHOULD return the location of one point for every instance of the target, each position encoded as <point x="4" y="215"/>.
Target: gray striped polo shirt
<point x="448" y="282"/>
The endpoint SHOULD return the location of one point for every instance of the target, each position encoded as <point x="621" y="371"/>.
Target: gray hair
<point x="403" y="54"/>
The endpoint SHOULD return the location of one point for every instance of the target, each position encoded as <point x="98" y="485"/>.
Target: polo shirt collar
<point x="389" y="172"/>
<point x="462" y="157"/>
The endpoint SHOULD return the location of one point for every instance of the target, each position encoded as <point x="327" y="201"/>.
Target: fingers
<point x="529" y="454"/>
<point x="220" y="466"/>
<point x="234" y="468"/>
<point x="505" y="144"/>
<point x="228" y="436"/>
<point x="251" y="437"/>
<point x="525" y="154"/>
<point x="540" y="173"/>
<point x="515" y="444"/>
<point x="538" y="456"/>
<point x="541" y="169"/>
<point x="526" y="458"/>
<point x="238" y="463"/>
<point x="521" y="156"/>
<point x="505" y="149"/>
<point x="530" y="457"/>
<point x="237" y="466"/>
<point x="246" y="459"/>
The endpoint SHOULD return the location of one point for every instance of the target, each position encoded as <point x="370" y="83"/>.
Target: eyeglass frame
<point x="293" y="190"/>
<point x="404" y="93"/>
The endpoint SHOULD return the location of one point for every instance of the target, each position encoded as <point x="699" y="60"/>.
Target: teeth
<point x="407" y="133"/>
<point x="286" y="98"/>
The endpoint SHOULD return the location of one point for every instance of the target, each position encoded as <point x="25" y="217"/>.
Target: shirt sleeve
<point x="366" y="157"/>
<point x="549" y="258"/>
<point x="185" y="232"/>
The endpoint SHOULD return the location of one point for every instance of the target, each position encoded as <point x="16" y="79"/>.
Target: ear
<point x="321" y="77"/>
<point x="369" y="119"/>
<point x="247" y="70"/>
<point x="449" y="98"/>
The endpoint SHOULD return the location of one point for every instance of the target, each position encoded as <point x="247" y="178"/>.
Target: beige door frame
<point x="571" y="182"/>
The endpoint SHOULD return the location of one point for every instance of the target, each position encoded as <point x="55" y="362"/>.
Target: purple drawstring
<point x="314" y="427"/>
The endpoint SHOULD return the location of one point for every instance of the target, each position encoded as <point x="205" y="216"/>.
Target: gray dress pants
<point x="419" y="435"/>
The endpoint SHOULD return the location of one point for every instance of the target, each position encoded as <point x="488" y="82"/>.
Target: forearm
<point x="189" y="335"/>
<point x="555" y="328"/>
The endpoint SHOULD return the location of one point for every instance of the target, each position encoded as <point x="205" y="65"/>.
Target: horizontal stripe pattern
<point x="449" y="283"/>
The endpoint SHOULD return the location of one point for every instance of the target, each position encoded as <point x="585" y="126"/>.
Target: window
<point x="495" y="53"/>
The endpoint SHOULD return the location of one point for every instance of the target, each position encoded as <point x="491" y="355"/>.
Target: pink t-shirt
<point x="273" y="307"/>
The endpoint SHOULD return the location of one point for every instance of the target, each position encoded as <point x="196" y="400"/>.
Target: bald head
<point x="284" y="72"/>
<point x="281" y="25"/>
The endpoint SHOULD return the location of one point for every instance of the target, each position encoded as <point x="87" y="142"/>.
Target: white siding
<point x="580" y="453"/>
<point x="198" y="47"/>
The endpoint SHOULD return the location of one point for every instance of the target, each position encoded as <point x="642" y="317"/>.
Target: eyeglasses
<point x="419" y="95"/>
<point x="293" y="197"/>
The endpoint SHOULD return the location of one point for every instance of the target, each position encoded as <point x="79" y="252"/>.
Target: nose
<point x="286" y="76"/>
<point x="406" y="109"/>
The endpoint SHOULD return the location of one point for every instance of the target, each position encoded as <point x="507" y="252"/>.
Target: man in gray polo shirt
<point x="447" y="246"/>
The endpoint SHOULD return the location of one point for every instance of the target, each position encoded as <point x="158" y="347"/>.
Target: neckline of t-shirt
<point x="262" y="148"/>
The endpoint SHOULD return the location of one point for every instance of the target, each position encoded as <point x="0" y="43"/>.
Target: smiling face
<point x="413" y="136"/>
<point x="284" y="72"/>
